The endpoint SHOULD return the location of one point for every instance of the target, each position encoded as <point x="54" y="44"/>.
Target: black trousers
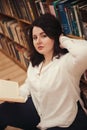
<point x="21" y="115"/>
<point x="24" y="115"/>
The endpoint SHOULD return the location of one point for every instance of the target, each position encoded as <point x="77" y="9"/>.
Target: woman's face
<point x="42" y="43"/>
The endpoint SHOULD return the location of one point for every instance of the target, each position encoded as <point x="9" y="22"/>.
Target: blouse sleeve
<point x="24" y="88"/>
<point x="77" y="49"/>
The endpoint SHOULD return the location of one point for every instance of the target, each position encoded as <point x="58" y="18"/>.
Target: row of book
<point x="72" y="14"/>
<point x="14" y="50"/>
<point x="23" y="9"/>
<point x="14" y="31"/>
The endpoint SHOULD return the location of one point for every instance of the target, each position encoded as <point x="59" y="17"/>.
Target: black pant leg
<point x="22" y="115"/>
<point x="80" y="121"/>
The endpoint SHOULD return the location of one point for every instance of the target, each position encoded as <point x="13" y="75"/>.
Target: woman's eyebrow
<point x="41" y="33"/>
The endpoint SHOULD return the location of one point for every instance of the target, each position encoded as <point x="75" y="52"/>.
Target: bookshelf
<point x="15" y="19"/>
<point x="17" y="15"/>
<point x="71" y="14"/>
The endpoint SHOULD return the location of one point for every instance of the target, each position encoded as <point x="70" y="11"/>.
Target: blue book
<point x="64" y="18"/>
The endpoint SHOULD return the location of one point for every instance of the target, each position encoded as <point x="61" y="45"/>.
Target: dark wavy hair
<point x="51" y="26"/>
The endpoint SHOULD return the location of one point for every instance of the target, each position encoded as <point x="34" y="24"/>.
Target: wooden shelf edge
<point x="14" y="60"/>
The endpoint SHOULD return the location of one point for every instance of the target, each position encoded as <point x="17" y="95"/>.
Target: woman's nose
<point x="38" y="40"/>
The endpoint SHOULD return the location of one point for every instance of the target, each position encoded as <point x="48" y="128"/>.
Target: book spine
<point x="72" y="20"/>
<point x="64" y="19"/>
<point x="75" y="8"/>
<point x="52" y="10"/>
<point x="56" y="8"/>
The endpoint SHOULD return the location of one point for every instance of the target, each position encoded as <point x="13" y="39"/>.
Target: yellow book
<point x="9" y="91"/>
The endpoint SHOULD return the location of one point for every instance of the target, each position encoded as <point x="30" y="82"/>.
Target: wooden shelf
<point x="15" y="61"/>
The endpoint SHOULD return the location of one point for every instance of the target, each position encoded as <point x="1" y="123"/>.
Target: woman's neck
<point x="47" y="60"/>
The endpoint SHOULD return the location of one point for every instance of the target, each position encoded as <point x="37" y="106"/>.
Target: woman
<point x="52" y="85"/>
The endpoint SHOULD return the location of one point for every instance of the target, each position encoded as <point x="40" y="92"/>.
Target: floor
<point x="11" y="71"/>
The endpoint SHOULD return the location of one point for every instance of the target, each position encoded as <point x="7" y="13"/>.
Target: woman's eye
<point x="41" y="36"/>
<point x="34" y="38"/>
<point x="44" y="35"/>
